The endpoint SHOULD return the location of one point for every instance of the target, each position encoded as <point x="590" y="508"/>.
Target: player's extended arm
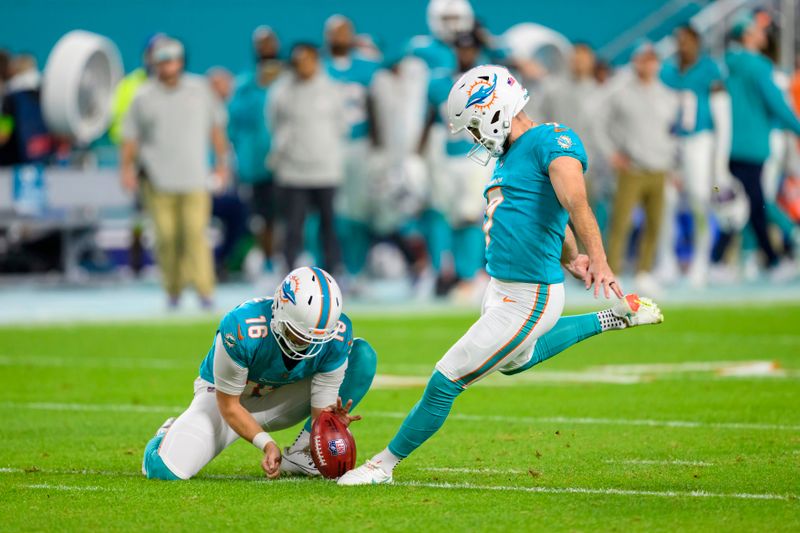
<point x="246" y="427"/>
<point x="230" y="379"/>
<point x="576" y="263"/>
<point x="566" y="175"/>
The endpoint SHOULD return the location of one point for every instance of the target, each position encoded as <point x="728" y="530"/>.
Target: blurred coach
<point x="166" y="134"/>
<point x="306" y="112"/>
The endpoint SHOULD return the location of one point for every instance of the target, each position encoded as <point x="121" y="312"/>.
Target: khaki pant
<point x="636" y="187"/>
<point x="182" y="247"/>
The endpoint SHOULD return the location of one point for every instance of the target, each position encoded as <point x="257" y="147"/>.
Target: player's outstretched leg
<point x="153" y="466"/>
<point x="629" y="312"/>
<point x="422" y="422"/>
<point x="361" y="366"/>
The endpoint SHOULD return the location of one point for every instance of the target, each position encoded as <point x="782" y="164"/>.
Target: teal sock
<point x="361" y="366"/>
<point x="568" y="330"/>
<point x="152" y="464"/>
<point x="354" y="237"/>
<point x="438" y="237"/>
<point x="427" y="416"/>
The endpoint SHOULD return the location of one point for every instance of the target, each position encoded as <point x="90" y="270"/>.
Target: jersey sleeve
<point x="325" y="386"/>
<point x="230" y="377"/>
<point x="561" y="141"/>
<point x="340" y="346"/>
<point x="233" y="339"/>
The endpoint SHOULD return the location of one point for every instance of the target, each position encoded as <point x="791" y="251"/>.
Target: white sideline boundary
<point x="78" y="488"/>
<point x="666" y="462"/>
<point x="422" y="484"/>
<point x="132" y="408"/>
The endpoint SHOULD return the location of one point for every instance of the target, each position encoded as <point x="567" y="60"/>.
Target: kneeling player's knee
<point x="153" y="465"/>
<point x="362" y="362"/>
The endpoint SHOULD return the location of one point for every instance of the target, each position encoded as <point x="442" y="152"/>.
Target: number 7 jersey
<point x="246" y="336"/>
<point x="524" y="222"/>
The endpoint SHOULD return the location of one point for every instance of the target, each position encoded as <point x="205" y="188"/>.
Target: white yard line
<point x="79" y="488"/>
<point x="475" y="470"/>
<point x="602" y="421"/>
<point x="674" y="462"/>
<point x="445" y="486"/>
<point x="131" y="408"/>
<point x="602" y="491"/>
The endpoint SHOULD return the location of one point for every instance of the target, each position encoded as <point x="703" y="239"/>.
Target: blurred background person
<point x="456" y="187"/>
<point x="167" y="131"/>
<point x="306" y="113"/>
<point x="354" y="73"/>
<point x="637" y="120"/>
<point x="757" y="105"/>
<point x="250" y="136"/>
<point x="121" y="101"/>
<point x="24" y="137"/>
<point x="227" y="208"/>
<point x="573" y="100"/>
<point x="695" y="76"/>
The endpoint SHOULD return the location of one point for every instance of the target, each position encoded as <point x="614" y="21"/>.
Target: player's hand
<point x="272" y="460"/>
<point x="221" y="177"/>
<point x="600" y="275"/>
<point x="129" y="179"/>
<point x="620" y="162"/>
<point x="342" y="412"/>
<point x="579" y="267"/>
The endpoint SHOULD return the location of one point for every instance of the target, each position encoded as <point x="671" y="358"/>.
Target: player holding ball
<point x="536" y="189"/>
<point x="274" y="362"/>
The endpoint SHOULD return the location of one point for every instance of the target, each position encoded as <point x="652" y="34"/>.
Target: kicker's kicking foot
<point x="637" y="311"/>
<point x="367" y="474"/>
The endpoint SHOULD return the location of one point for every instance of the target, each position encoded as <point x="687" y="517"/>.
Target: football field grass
<point x="691" y="425"/>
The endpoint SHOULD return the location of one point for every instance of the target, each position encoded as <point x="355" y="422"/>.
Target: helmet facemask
<point x="298" y="344"/>
<point x="486" y="146"/>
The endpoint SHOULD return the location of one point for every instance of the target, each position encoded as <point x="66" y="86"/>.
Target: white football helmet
<point x="483" y="101"/>
<point x="447" y="18"/>
<point x="305" y="312"/>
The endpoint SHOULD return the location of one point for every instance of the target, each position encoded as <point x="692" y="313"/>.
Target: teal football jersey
<point x="249" y="342"/>
<point x="355" y="73"/>
<point x="524" y="222"/>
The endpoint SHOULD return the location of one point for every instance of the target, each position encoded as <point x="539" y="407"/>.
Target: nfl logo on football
<point x="337" y="446"/>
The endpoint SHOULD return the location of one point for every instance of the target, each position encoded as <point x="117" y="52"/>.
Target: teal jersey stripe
<point x="542" y="295"/>
<point x="326" y="299"/>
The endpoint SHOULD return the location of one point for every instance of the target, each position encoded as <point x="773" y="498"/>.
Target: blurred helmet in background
<point x="305" y="312"/>
<point x="448" y="18"/>
<point x="483" y="101"/>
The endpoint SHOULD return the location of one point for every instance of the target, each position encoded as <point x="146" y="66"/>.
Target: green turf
<point x="145" y="370"/>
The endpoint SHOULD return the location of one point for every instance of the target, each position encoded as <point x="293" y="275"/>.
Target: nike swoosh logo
<point x="508" y="300"/>
<point x="559" y="130"/>
<point x="239" y="332"/>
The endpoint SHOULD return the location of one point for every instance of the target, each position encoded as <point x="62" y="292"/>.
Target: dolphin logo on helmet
<point x="484" y="92"/>
<point x="287" y="290"/>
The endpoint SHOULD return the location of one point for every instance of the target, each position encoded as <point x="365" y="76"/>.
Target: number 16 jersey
<point x="246" y="336"/>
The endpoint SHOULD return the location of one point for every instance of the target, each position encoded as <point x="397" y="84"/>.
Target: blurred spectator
<point x="637" y="119"/>
<point x="127" y="87"/>
<point x="23" y="134"/>
<point x="306" y="112"/>
<point x="573" y="100"/>
<point x="250" y="136"/>
<point x="168" y="128"/>
<point x="695" y="76"/>
<point x="455" y="217"/>
<point x="758" y="105"/>
<point x="226" y="206"/>
<point x="354" y="74"/>
<point x="221" y="81"/>
<point x="5" y="69"/>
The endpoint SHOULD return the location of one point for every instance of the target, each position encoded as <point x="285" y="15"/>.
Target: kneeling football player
<point x="274" y="362"/>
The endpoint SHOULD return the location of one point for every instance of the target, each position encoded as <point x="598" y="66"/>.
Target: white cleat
<point x="298" y="463"/>
<point x="636" y="311"/>
<point x="367" y="474"/>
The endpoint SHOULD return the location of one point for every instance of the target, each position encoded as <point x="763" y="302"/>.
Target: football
<point x="333" y="448"/>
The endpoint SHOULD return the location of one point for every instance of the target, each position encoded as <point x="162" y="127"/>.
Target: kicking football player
<point x="274" y="362"/>
<point x="537" y="186"/>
